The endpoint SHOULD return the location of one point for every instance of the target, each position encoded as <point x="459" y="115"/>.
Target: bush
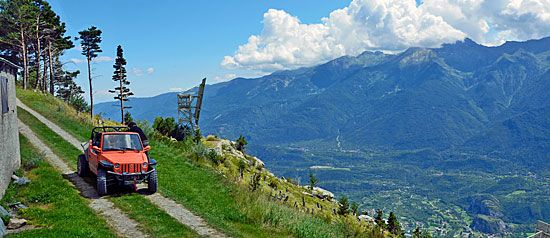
<point x="241" y="143"/>
<point x="212" y="138"/>
<point x="273" y="183"/>
<point x="128" y="118"/>
<point x="312" y="180"/>
<point x="198" y="136"/>
<point x="344" y="206"/>
<point x="145" y="127"/>
<point x="242" y="166"/>
<point x="5" y="219"/>
<point x="164" y="126"/>
<point x="33" y="160"/>
<point x="214" y="157"/>
<point x="200" y="150"/>
<point x="255" y="181"/>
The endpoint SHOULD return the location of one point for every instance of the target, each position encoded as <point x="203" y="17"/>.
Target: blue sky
<point x="171" y="46"/>
<point x="181" y="41"/>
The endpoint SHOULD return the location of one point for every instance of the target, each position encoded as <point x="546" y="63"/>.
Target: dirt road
<point x="177" y="211"/>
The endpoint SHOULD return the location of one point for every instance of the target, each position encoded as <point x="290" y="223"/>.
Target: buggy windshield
<point x="121" y="142"/>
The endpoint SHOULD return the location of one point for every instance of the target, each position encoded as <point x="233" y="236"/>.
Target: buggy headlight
<point x="117" y="165"/>
<point x="144" y="164"/>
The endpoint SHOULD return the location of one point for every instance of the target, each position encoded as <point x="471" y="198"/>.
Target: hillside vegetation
<point x="211" y="184"/>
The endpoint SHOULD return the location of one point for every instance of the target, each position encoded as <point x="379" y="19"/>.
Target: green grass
<point x="203" y="191"/>
<point x="51" y="108"/>
<point x="132" y="205"/>
<point x="57" y="144"/>
<point x="53" y="204"/>
<point x="151" y="219"/>
<point x="229" y="207"/>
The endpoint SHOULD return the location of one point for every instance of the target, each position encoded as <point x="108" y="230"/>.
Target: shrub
<point x="273" y="183"/>
<point x="312" y="180"/>
<point x="200" y="150"/>
<point x="214" y="157"/>
<point x="198" y="136"/>
<point x="242" y="166"/>
<point x="255" y="181"/>
<point x="344" y="206"/>
<point x="165" y="126"/>
<point x="211" y="138"/>
<point x="33" y="160"/>
<point x="354" y="208"/>
<point x="145" y="127"/>
<point x="241" y="143"/>
<point x="5" y="219"/>
<point x="128" y="118"/>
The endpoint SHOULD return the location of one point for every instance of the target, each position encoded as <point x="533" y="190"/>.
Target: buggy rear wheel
<point x="152" y="182"/>
<point x="83" y="169"/>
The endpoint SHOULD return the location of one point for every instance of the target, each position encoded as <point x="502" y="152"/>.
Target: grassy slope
<point x="153" y="221"/>
<point x="53" y="204"/>
<point x="225" y="205"/>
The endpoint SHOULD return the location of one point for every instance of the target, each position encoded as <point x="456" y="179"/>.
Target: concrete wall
<point x="10" y="157"/>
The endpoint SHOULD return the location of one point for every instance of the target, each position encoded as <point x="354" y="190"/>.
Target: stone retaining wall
<point x="10" y="158"/>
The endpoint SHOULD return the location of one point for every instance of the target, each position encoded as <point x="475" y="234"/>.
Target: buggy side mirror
<point x="147" y="148"/>
<point x="97" y="149"/>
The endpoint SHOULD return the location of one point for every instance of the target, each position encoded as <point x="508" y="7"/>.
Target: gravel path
<point x="124" y="226"/>
<point x="177" y="211"/>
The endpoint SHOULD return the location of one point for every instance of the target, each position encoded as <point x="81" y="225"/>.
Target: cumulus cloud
<point x="224" y="78"/>
<point x="103" y="58"/>
<point x="150" y="70"/>
<point x="96" y="60"/>
<point x="137" y="72"/>
<point x="389" y="25"/>
<point x="76" y="61"/>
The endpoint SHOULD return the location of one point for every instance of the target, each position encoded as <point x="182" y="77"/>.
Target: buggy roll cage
<point x="102" y="129"/>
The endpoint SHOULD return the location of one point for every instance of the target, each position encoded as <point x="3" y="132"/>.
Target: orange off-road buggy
<point x="117" y="157"/>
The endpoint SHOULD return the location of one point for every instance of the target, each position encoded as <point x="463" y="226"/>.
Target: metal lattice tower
<point x="189" y="107"/>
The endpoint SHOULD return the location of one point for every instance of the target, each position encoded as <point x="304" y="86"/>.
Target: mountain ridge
<point x="427" y="122"/>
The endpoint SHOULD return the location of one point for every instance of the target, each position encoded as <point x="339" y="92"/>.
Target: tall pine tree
<point x="394" y="226"/>
<point x="89" y="40"/>
<point x="66" y="87"/>
<point x="122" y="91"/>
<point x="17" y="20"/>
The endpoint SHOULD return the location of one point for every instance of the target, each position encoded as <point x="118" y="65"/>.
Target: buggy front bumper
<point x="123" y="177"/>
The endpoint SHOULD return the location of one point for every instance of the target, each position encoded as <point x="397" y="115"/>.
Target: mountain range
<point x="459" y="109"/>
<point x="462" y="95"/>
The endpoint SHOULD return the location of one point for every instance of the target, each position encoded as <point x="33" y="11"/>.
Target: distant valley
<point x="455" y="137"/>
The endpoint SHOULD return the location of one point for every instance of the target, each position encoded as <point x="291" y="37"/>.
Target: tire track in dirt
<point x="172" y="208"/>
<point x="124" y="226"/>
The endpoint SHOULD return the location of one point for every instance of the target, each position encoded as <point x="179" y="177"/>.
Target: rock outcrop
<point x="485" y="204"/>
<point x="488" y="224"/>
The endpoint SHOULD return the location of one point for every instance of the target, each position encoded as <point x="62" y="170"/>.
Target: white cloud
<point x="102" y="92"/>
<point x="103" y="58"/>
<point x="137" y="72"/>
<point x="96" y="60"/>
<point x="76" y="61"/>
<point x="175" y="89"/>
<point x="150" y="70"/>
<point x="389" y="25"/>
<point x="224" y="78"/>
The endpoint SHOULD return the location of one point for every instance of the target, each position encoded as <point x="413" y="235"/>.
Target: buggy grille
<point x="131" y="168"/>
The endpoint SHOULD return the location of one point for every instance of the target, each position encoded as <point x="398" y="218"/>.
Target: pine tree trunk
<point x="121" y="100"/>
<point x="38" y="80"/>
<point x="91" y="94"/>
<point x="51" y="68"/>
<point x="45" y="72"/>
<point x="24" y="55"/>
